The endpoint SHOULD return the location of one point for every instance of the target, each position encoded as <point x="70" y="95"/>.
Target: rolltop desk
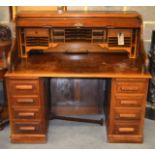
<point x="83" y="50"/>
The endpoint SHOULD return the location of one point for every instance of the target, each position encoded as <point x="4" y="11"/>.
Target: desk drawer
<point x="25" y="101"/>
<point x="129" y="101"/>
<point x="127" y="114"/>
<point x="130" y="86"/>
<point x="26" y="87"/>
<point x="126" y="128"/>
<point x="27" y="127"/>
<point x="36" y="32"/>
<point x="28" y="114"/>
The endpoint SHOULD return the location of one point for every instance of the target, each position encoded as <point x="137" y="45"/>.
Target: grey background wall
<point x="4" y="13"/>
<point x="147" y="12"/>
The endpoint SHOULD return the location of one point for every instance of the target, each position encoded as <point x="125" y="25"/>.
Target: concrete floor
<point x="65" y="134"/>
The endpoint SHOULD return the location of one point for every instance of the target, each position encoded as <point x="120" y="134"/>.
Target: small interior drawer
<point x="127" y="114"/>
<point x="27" y="127"/>
<point x="25" y="101"/>
<point x="129" y="101"/>
<point x="130" y="86"/>
<point x="26" y="113"/>
<point x="115" y="32"/>
<point x="126" y="128"/>
<point x="26" y="87"/>
<point x="33" y="32"/>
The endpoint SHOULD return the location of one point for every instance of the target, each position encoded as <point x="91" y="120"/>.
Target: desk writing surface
<point x="81" y="66"/>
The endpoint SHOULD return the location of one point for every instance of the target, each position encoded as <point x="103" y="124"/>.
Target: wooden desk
<point x="73" y="52"/>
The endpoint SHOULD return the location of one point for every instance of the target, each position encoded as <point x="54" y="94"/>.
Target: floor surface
<point x="70" y="135"/>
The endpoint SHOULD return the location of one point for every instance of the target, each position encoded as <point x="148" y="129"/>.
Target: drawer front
<point x="36" y="32"/>
<point x="130" y="86"/>
<point x="26" y="113"/>
<point x="27" y="127"/>
<point x="24" y="87"/>
<point x="129" y="101"/>
<point x="25" y="101"/>
<point x="115" y="32"/>
<point x="127" y="114"/>
<point x="126" y="128"/>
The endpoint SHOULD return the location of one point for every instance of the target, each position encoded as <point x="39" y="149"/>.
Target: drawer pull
<point x="125" y="102"/>
<point x="126" y="129"/>
<point x="127" y="115"/>
<point x="129" y="88"/>
<point x="27" y="128"/>
<point x="26" y="114"/>
<point x="25" y="101"/>
<point x="24" y="87"/>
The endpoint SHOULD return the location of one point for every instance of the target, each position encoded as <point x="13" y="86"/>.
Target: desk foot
<point x="100" y="122"/>
<point x="3" y="123"/>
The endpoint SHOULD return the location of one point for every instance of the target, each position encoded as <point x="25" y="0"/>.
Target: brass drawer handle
<point x="24" y="87"/>
<point x="126" y="129"/>
<point x="125" y="102"/>
<point x="27" y="128"/>
<point x="129" y="88"/>
<point x="127" y="115"/>
<point x="26" y="114"/>
<point x="25" y="100"/>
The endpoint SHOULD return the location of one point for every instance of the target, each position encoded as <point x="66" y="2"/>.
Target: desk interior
<point x="88" y="65"/>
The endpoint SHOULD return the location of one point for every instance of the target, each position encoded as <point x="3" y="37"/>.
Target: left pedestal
<point x="3" y="104"/>
<point x="27" y="109"/>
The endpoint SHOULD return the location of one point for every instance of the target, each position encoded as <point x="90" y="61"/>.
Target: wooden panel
<point x="74" y="96"/>
<point x="126" y="128"/>
<point x="29" y="113"/>
<point x="27" y="127"/>
<point x="36" y="32"/>
<point x="28" y="138"/>
<point x="129" y="101"/>
<point x="127" y="114"/>
<point x="126" y="110"/>
<point x="27" y="109"/>
<point x="26" y="87"/>
<point x="114" y="32"/>
<point x="91" y="19"/>
<point x="25" y="100"/>
<point x="88" y="65"/>
<point x="130" y="86"/>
